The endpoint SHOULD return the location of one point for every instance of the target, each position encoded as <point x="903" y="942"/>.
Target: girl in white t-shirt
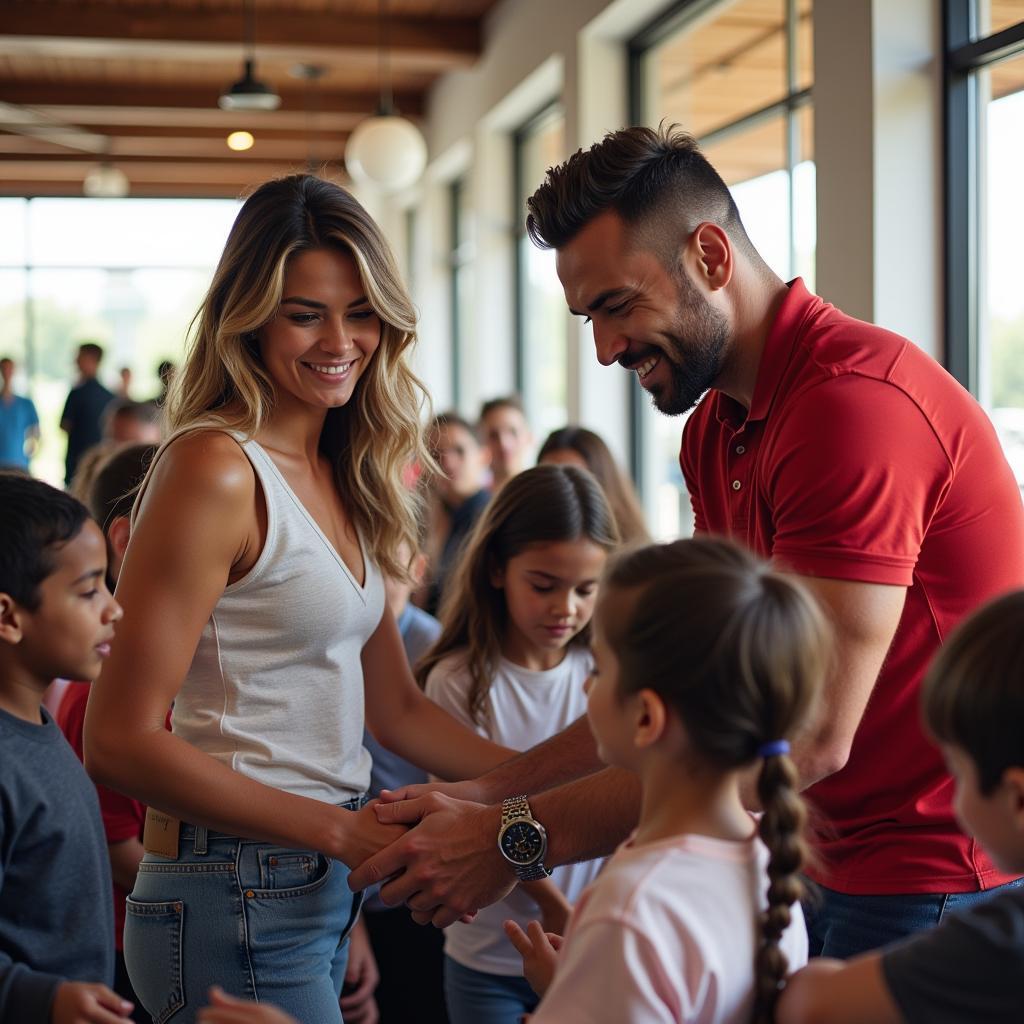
<point x="511" y="663"/>
<point x="706" y="663"/>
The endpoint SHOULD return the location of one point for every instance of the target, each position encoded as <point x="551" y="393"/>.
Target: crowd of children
<point x="272" y="541"/>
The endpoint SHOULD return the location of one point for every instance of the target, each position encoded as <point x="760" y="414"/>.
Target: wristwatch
<point x="522" y="840"/>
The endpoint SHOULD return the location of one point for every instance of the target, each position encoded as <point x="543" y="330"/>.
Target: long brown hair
<point x="543" y="505"/>
<point x="371" y="440"/>
<point x="617" y="486"/>
<point x="738" y="651"/>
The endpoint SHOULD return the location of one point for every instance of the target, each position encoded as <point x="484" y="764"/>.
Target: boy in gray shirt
<point x="56" y="620"/>
<point x="970" y="968"/>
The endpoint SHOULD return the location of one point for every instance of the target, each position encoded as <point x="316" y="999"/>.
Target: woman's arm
<point x="407" y="722"/>
<point x="198" y="527"/>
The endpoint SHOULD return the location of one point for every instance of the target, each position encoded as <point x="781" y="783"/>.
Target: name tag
<point x="160" y="835"/>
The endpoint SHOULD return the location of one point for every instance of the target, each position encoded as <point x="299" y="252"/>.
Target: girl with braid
<point x="707" y="663"/>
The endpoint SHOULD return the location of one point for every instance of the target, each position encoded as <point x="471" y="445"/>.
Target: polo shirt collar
<point x="778" y="348"/>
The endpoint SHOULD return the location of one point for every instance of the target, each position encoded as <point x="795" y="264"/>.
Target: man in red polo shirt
<point x="833" y="446"/>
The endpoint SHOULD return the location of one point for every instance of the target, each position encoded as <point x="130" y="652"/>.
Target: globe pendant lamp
<point x="386" y="151"/>
<point x="248" y="93"/>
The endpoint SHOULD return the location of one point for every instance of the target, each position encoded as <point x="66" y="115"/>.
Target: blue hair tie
<point x="776" y="748"/>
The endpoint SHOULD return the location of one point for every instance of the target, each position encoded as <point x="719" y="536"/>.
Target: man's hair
<point x="116" y="482"/>
<point x="973" y="694"/>
<point x="35" y="518"/>
<point x="90" y="348"/>
<point x="656" y="180"/>
<point x="6" y="359"/>
<point x="448" y="419"/>
<point x="513" y="402"/>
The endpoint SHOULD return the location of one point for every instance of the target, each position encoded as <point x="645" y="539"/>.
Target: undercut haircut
<point x="35" y="518"/>
<point x="656" y="180"/>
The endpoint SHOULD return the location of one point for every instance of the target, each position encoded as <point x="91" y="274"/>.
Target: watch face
<point x="522" y="842"/>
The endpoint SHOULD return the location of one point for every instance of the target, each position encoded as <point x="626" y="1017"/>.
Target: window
<point x="984" y="213"/>
<point x="460" y="285"/>
<point x="738" y="76"/>
<point x="128" y="273"/>
<point x="541" y="321"/>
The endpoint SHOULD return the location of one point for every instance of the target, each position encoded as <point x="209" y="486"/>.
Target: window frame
<point x="964" y="56"/>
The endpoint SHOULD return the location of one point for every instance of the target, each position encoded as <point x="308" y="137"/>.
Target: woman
<point x="577" y="446"/>
<point x="254" y="586"/>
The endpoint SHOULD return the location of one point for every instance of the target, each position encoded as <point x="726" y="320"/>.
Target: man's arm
<point x="864" y="617"/>
<point x="449" y="865"/>
<point x="833" y="992"/>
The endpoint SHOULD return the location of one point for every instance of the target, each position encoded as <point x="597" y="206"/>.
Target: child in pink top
<point x="706" y="662"/>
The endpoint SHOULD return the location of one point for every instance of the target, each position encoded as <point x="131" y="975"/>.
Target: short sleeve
<point x="969" y="968"/>
<point x="448" y="687"/>
<point x="609" y="970"/>
<point x="853" y="475"/>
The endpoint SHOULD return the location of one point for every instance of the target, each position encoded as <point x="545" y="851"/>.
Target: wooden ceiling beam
<point x="181" y="147"/>
<point x="90" y="29"/>
<point x="28" y="93"/>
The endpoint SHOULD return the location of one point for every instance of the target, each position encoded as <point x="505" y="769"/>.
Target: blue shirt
<point x="56" y="900"/>
<point x="17" y="417"/>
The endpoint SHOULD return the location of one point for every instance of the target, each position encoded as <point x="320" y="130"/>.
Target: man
<point x="83" y="410"/>
<point x="837" y="448"/>
<point x="507" y="436"/>
<point x="19" y="422"/>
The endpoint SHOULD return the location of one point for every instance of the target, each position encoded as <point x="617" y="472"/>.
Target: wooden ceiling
<point x="136" y="83"/>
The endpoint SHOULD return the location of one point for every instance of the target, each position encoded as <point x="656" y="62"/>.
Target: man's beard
<point x="695" y="352"/>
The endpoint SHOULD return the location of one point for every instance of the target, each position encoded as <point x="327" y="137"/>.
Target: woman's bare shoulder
<point x="203" y="464"/>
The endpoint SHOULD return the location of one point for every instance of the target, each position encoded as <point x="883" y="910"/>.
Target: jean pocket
<point x="152" y="953"/>
<point x="285" y="872"/>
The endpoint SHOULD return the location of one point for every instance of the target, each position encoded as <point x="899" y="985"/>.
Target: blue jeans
<point x="842" y="926"/>
<point x="263" y="922"/>
<point x="474" y="997"/>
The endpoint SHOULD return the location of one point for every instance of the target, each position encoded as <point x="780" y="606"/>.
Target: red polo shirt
<point x="862" y="459"/>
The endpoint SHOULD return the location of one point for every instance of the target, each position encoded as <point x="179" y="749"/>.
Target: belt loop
<point x="199" y="843"/>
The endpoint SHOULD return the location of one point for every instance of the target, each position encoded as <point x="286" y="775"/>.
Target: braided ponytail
<point x="781" y="831"/>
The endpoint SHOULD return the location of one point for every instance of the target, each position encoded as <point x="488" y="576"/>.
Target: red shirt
<point x="862" y="459"/>
<point x="123" y="817"/>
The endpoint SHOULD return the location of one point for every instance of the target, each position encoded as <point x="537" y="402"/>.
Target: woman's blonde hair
<point x="370" y="441"/>
<point x="543" y="505"/>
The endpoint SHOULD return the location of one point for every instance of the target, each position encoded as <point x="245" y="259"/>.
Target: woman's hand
<point x="363" y="835"/>
<point x="539" y="950"/>
<point x="470" y="789"/>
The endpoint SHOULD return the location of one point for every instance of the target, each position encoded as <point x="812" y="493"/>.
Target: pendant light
<point x="105" y="181"/>
<point x="386" y="150"/>
<point x="248" y="93"/>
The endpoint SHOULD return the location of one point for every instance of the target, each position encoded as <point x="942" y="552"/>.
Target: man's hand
<point x="470" y="789"/>
<point x="225" y="1009"/>
<point x="81" y="1002"/>
<point x="365" y="835"/>
<point x="539" y="950"/>
<point x="361" y="979"/>
<point x="448" y="866"/>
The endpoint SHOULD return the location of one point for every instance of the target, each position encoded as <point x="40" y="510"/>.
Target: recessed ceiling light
<point x="240" y="141"/>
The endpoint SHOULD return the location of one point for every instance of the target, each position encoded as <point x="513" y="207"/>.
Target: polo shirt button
<point x="740" y="449"/>
<point x="736" y="485"/>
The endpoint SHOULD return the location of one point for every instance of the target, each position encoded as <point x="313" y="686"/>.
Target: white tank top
<point x="275" y="688"/>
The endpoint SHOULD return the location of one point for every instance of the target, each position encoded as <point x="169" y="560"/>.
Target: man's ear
<point x="11" y="627"/>
<point x="118" y="533"/>
<point x="651" y="718"/>
<point x="713" y="254"/>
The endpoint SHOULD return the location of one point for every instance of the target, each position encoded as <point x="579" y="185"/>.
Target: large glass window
<point x="738" y="76"/>
<point x="985" y="151"/>
<point x="128" y="274"/>
<point x="541" y="320"/>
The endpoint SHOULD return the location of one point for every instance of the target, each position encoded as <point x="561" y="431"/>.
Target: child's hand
<point x="539" y="950"/>
<point x="225" y="1009"/>
<point x="361" y="978"/>
<point x="82" y="1002"/>
<point x="554" y="916"/>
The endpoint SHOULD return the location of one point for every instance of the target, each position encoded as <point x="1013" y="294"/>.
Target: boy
<point x="56" y="619"/>
<point x="970" y="967"/>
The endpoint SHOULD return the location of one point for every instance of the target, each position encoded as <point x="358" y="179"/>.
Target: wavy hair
<point x="373" y="438"/>
<point x="739" y="652"/>
<point x="543" y="505"/>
